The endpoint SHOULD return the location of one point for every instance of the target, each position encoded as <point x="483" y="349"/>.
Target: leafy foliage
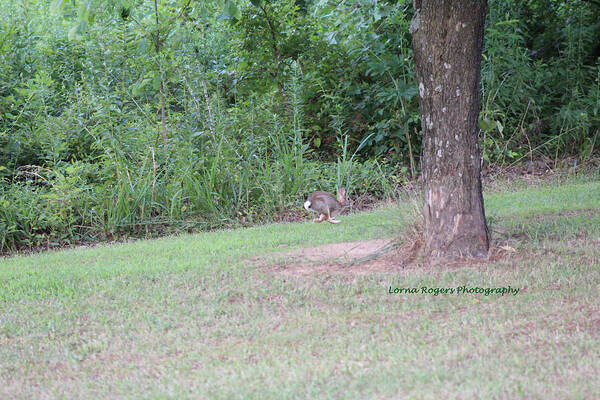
<point x="133" y="118"/>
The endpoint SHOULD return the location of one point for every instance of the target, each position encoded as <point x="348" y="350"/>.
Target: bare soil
<point x="360" y="257"/>
<point x="372" y="256"/>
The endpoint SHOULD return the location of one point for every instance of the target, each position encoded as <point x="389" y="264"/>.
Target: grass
<point x="191" y="317"/>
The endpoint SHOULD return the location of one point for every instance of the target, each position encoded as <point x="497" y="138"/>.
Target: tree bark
<point x="447" y="44"/>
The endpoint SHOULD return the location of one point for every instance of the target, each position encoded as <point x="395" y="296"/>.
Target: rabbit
<point x="326" y="205"/>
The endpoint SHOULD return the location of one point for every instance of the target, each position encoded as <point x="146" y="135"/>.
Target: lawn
<point x="196" y="316"/>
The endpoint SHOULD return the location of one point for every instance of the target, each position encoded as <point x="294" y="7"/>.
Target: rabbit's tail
<point x="307" y="204"/>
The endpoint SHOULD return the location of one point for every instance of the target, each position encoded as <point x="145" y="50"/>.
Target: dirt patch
<point x="360" y="257"/>
<point x="372" y="256"/>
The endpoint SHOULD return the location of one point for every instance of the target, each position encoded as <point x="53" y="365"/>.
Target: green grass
<point x="191" y="317"/>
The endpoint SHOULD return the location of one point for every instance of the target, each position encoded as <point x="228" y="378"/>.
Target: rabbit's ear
<point x="341" y="194"/>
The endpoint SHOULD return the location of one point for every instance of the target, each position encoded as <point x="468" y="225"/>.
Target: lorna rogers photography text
<point x="435" y="291"/>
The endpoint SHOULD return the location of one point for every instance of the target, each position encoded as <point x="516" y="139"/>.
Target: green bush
<point x="260" y="108"/>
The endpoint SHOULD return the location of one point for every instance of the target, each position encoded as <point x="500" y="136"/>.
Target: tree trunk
<point x="447" y="44"/>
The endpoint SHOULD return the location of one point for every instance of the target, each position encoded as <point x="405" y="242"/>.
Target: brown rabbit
<point x="326" y="205"/>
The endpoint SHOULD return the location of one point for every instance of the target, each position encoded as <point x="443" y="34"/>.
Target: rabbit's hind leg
<point x="320" y="219"/>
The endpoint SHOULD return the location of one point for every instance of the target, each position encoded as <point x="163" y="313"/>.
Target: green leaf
<point x="377" y="14"/>
<point x="74" y="32"/>
<point x="83" y="11"/>
<point x="500" y="127"/>
<point x="482" y="125"/>
<point x="256" y="3"/>
<point x="136" y="90"/>
<point x="143" y="45"/>
<point x="156" y="82"/>
<point x="56" y="6"/>
<point x="233" y="10"/>
<point x="139" y="88"/>
<point x="487" y="125"/>
<point x="317" y="142"/>
<point x="330" y="38"/>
